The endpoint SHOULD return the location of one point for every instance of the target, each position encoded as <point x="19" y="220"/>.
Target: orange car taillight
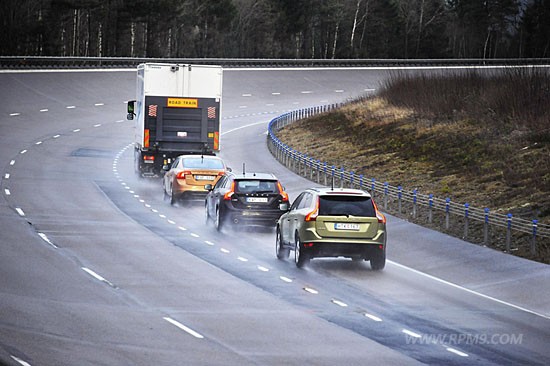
<point x="282" y="192"/>
<point x="182" y="174"/>
<point x="227" y="196"/>
<point x="149" y="158"/>
<point x="312" y="216"/>
<point x="379" y="215"/>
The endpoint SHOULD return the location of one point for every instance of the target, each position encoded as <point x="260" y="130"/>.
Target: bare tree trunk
<point x="335" y="40"/>
<point x="353" y="29"/>
<point x="132" y="39"/>
<point x="100" y="41"/>
<point x="75" y="32"/>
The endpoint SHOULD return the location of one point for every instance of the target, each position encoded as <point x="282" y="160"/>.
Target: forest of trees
<point x="321" y="29"/>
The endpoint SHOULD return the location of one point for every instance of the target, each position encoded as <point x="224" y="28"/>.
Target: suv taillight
<point x="379" y="215"/>
<point x="227" y="196"/>
<point x="282" y="192"/>
<point x="312" y="216"/>
<point x="182" y="174"/>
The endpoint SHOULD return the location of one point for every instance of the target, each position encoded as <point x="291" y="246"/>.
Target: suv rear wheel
<point x="378" y="260"/>
<point x="300" y="257"/>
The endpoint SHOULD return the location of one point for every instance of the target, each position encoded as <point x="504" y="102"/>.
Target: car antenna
<point x="243" y="168"/>
<point x="332" y="183"/>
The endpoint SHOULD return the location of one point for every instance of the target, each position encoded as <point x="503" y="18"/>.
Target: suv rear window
<point x="346" y="205"/>
<point x="202" y="163"/>
<point x="256" y="186"/>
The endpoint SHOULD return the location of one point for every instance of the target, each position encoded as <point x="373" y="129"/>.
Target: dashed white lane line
<point x="47" y="240"/>
<point x="263" y="269"/>
<point x="76" y="130"/>
<point x="373" y="317"/>
<point x="12" y="162"/>
<point x="7" y="176"/>
<point x="311" y="290"/>
<point x="208" y="243"/>
<point x="23" y="151"/>
<point x="195" y="235"/>
<point x="7" y="192"/>
<point x="285" y="279"/>
<point x="38" y="143"/>
<point x="247" y="95"/>
<point x="97" y="125"/>
<point x="275" y="93"/>
<point x="339" y="91"/>
<point x="411" y="333"/>
<point x="44" y="110"/>
<point x="99" y="104"/>
<point x="96" y="276"/>
<point x="339" y="303"/>
<point x="70" y="107"/>
<point x="306" y="92"/>
<point x="14" y="114"/>
<point x="182" y="228"/>
<point x="20" y="212"/>
<point x="56" y="136"/>
<point x="183" y="327"/>
<point x="242" y="259"/>
<point x="223" y="250"/>
<point x="456" y="352"/>
<point x="20" y="361"/>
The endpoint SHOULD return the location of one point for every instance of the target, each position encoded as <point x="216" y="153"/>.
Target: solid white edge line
<point x="468" y="290"/>
<point x="17" y="359"/>
<point x="47" y="240"/>
<point x="96" y="276"/>
<point x="183" y="327"/>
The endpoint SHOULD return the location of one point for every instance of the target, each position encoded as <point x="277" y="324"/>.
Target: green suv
<point x="327" y="222"/>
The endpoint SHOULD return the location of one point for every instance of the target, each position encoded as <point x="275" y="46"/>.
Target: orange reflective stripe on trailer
<point x="216" y="140"/>
<point x="146" y="138"/>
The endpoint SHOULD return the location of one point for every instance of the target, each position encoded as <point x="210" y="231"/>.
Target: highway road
<point x="97" y="269"/>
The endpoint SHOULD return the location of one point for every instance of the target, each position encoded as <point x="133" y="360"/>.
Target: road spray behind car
<point x="177" y="111"/>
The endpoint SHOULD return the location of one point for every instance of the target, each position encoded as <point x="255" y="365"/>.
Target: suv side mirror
<point x="131" y="108"/>
<point x="208" y="187"/>
<point x="166" y="167"/>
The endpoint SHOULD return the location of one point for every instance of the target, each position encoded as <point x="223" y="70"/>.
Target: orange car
<point x="188" y="175"/>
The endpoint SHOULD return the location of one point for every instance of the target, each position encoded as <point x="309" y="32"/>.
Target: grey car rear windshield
<point x="345" y="206"/>
<point x="256" y="186"/>
<point x="202" y="163"/>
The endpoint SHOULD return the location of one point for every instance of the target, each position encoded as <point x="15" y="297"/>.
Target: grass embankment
<point x="474" y="138"/>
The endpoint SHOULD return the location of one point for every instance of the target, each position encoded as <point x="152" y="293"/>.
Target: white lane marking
<point x="162" y="216"/>
<point x="468" y="290"/>
<point x="97" y="125"/>
<point x="20" y="361"/>
<point x="119" y="121"/>
<point x="275" y="93"/>
<point x="7" y="176"/>
<point x="96" y="276"/>
<point x="99" y="104"/>
<point x="339" y="303"/>
<point x="76" y="130"/>
<point x="373" y="317"/>
<point x="240" y="128"/>
<point x="44" y="110"/>
<point x="226" y="251"/>
<point x="242" y="259"/>
<point x="183" y="327"/>
<point x="14" y="114"/>
<point x="411" y="333"/>
<point x="56" y="136"/>
<point x="285" y="279"/>
<point x="172" y="222"/>
<point x="195" y="235"/>
<point x="209" y="243"/>
<point x="154" y="210"/>
<point x="12" y="162"/>
<point x="47" y="240"/>
<point x="339" y="91"/>
<point x="456" y="352"/>
<point x="247" y="95"/>
<point x="70" y="107"/>
<point x="23" y="151"/>
<point x="7" y="192"/>
<point x="306" y="92"/>
<point x="311" y="290"/>
<point x="182" y="228"/>
<point x="38" y="143"/>
<point x="263" y="269"/>
<point x="369" y="90"/>
<point x="20" y="211"/>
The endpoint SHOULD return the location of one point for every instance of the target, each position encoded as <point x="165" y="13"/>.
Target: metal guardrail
<point x="463" y="220"/>
<point x="25" y="62"/>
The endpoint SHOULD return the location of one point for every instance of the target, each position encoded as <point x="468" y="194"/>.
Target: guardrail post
<point x="399" y="194"/>
<point x="325" y="170"/>
<point x="508" y="232"/>
<point x="372" y="187"/>
<point x="352" y="175"/>
<point x="414" y="203"/>
<point x="447" y="212"/>
<point x="318" y="171"/>
<point x="386" y="195"/>
<point x="430" y="207"/>
<point x="486" y="227"/>
<point x="361" y="181"/>
<point x="342" y="177"/>
<point x="466" y="218"/>
<point x="332" y="173"/>
<point x="534" y="241"/>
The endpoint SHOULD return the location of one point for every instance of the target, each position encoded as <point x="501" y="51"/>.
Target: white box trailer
<point x="177" y="111"/>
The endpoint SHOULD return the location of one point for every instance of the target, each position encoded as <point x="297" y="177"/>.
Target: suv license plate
<point x="256" y="199"/>
<point x="345" y="226"/>
<point x="204" y="177"/>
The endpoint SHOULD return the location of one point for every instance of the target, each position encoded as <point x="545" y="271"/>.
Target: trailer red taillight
<point x="148" y="159"/>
